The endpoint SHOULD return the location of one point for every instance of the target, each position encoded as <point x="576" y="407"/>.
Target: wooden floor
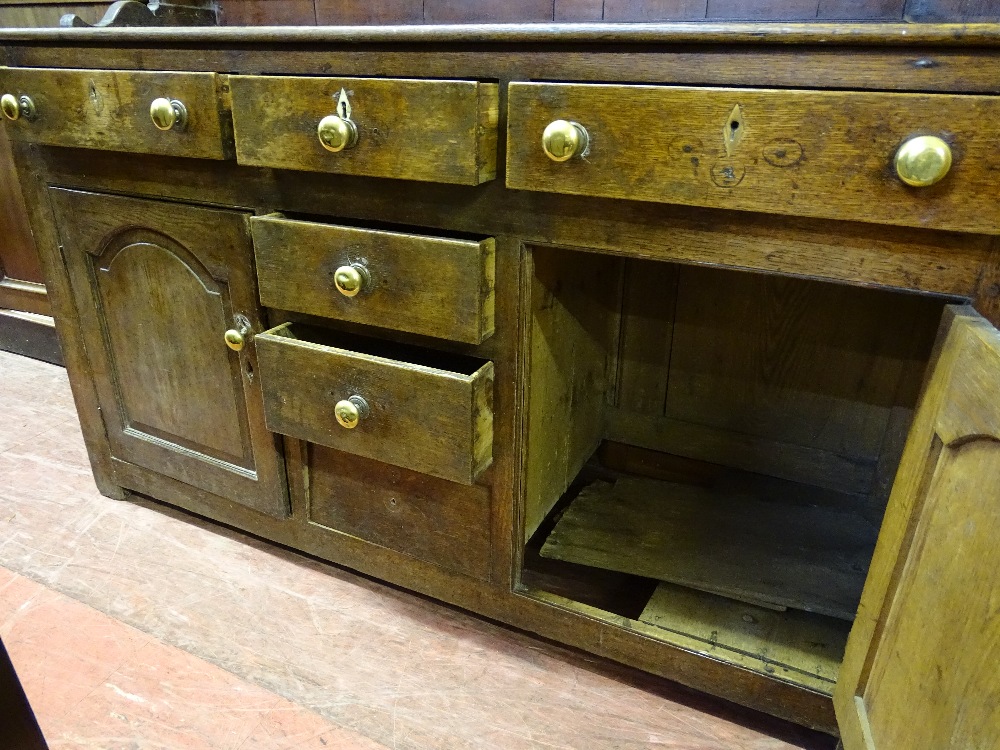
<point x="136" y="626"/>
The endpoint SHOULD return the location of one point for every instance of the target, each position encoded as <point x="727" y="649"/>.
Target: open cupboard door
<point x="921" y="667"/>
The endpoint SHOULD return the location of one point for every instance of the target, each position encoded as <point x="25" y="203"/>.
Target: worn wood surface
<point x="156" y="286"/>
<point x="826" y="154"/>
<point x="570" y="368"/>
<point x="420" y="284"/>
<point x="805" y="648"/>
<point x="109" y="110"/>
<point x="745" y="545"/>
<point x="919" y="666"/>
<point x="439" y="131"/>
<point x="430" y="519"/>
<point x="425" y="415"/>
<point x="952" y="263"/>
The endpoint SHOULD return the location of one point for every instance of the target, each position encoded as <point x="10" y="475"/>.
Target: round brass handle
<point x="562" y="140"/>
<point x="337" y="133"/>
<point x="168" y="114"/>
<point x="235" y="339"/>
<point x="923" y="160"/>
<point x="351" y="280"/>
<point x="14" y="108"/>
<point x="351" y="411"/>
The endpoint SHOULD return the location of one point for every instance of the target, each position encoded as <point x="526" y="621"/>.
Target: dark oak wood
<point x="268" y="13"/>
<point x="583" y="346"/>
<point x="109" y="110"/>
<point x="157" y="285"/>
<point x="442" y="131"/>
<point x="344" y="12"/>
<point x="826" y="154"/>
<point x="419" y="284"/>
<point x="436" y="521"/>
<point x="429" y="412"/>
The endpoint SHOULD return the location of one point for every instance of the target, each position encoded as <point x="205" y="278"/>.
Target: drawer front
<point x="419" y="415"/>
<point x="424" y="517"/>
<point x="436" y="131"/>
<point x="110" y="110"/>
<point x="426" y="285"/>
<point x="814" y="153"/>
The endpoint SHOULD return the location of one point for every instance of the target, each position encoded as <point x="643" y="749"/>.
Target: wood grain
<point x="931" y="595"/>
<point x="577" y="10"/>
<point x="488" y="11"/>
<point x="424" y="416"/>
<point x="441" y="522"/>
<point x="826" y="154"/>
<point x="748" y="547"/>
<point x="156" y="285"/>
<point x="109" y="110"/>
<point x="807" y="648"/>
<point x="570" y="370"/>
<point x="654" y="10"/>
<point x="426" y="285"/>
<point x="267" y="13"/>
<point x="345" y="12"/>
<point x="441" y="131"/>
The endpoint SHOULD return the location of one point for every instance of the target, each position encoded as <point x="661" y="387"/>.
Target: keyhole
<point x="343" y="110"/>
<point x="733" y="130"/>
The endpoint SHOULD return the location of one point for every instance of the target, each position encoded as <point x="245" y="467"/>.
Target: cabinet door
<point x="920" y="670"/>
<point x="156" y="286"/>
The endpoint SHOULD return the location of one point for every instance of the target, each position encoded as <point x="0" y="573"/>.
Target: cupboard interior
<point x="709" y="452"/>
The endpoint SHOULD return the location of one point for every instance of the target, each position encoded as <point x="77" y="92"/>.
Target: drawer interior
<point x="710" y="451"/>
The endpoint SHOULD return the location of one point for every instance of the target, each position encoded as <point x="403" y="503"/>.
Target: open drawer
<point x="424" y="410"/>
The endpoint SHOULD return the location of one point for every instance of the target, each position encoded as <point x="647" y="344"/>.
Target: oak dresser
<point x="674" y="343"/>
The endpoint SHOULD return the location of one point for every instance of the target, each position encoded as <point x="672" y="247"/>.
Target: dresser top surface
<point x="734" y="33"/>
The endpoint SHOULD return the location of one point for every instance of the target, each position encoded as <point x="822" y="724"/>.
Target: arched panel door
<point x="920" y="671"/>
<point x="157" y="285"/>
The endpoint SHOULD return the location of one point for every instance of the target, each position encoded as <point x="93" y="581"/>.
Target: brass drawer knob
<point x="337" y="133"/>
<point x="168" y="114"/>
<point x="235" y="339"/>
<point x="562" y="140"/>
<point x="923" y="160"/>
<point x="351" y="280"/>
<point x="15" y="108"/>
<point x="351" y="411"/>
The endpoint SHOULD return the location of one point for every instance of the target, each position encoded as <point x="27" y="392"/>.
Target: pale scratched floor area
<point x="136" y="626"/>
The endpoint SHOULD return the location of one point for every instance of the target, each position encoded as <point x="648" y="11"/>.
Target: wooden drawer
<point x="110" y="110"/>
<point x="427" y="285"/>
<point x="428" y="518"/>
<point x="815" y="153"/>
<point x="427" y="411"/>
<point x="436" y="131"/>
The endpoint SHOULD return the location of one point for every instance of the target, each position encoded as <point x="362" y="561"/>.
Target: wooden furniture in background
<point x="348" y="12"/>
<point x="637" y="383"/>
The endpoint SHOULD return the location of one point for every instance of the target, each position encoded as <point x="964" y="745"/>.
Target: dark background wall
<point x="324" y="12"/>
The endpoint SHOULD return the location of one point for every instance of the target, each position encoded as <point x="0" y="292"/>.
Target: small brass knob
<point x="337" y="133"/>
<point x="923" y="160"/>
<point x="168" y="114"/>
<point x="562" y="140"/>
<point x="14" y="108"/>
<point x="351" y="411"/>
<point x="10" y="107"/>
<point x="351" y="280"/>
<point x="235" y="339"/>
